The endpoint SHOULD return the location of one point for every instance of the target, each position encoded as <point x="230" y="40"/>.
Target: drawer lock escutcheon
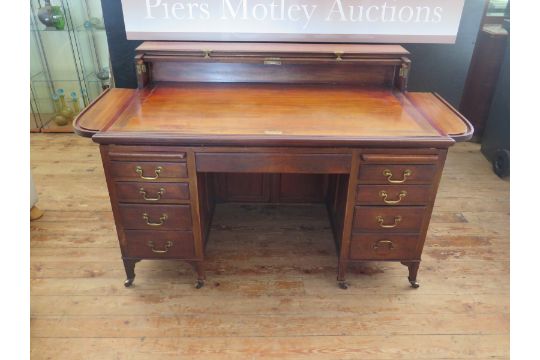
<point x="161" y="220"/>
<point x="157" y="171"/>
<point x="388" y="174"/>
<point x="384" y="195"/>
<point x="397" y="220"/>
<point x="386" y="244"/>
<point x="168" y="245"/>
<point x="157" y="198"/>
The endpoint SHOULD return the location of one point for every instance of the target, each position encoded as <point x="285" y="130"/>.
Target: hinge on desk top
<point x="272" y="61"/>
<point x="141" y="68"/>
<point x="404" y="71"/>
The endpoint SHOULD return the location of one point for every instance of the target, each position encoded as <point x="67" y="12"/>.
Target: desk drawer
<point x="396" y="174"/>
<point x="152" y="192"/>
<point x="282" y="163"/>
<point x="160" y="244"/>
<point x="384" y="246"/>
<point x="147" y="171"/>
<point x="155" y="217"/>
<point x="393" y="195"/>
<point x="389" y="219"/>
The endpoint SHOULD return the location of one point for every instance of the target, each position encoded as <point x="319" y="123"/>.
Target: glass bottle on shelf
<point x="75" y="103"/>
<point x="58" y="118"/>
<point x="66" y="111"/>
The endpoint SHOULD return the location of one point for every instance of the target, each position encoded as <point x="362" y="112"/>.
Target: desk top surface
<point x="269" y="111"/>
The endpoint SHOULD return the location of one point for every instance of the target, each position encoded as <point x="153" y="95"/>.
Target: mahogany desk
<point x="332" y="123"/>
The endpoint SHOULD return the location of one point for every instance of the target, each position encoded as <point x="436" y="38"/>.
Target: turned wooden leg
<point x="201" y="276"/>
<point x="413" y="271"/>
<point x="342" y="270"/>
<point x="129" y="266"/>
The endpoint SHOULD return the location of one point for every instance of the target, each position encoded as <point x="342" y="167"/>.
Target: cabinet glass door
<point x="69" y="64"/>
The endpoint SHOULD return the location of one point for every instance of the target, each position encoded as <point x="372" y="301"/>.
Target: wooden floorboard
<point x="271" y="290"/>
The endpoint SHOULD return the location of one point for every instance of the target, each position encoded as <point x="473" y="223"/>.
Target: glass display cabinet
<point x="69" y="61"/>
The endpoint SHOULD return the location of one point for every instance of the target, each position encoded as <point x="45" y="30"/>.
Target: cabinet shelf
<point x="69" y="59"/>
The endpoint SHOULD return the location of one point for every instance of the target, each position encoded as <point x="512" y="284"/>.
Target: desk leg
<point x="129" y="266"/>
<point x="413" y="271"/>
<point x="201" y="276"/>
<point x="342" y="270"/>
<point x="348" y="201"/>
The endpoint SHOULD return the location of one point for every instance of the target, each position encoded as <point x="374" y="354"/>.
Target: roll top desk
<point x="330" y="123"/>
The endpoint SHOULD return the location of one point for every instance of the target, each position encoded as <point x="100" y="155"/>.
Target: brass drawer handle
<point x="397" y="220"/>
<point x="157" y="171"/>
<point x="383" y="243"/>
<point x="384" y="196"/>
<point x="161" y="220"/>
<point x="168" y="245"/>
<point x="159" y="194"/>
<point x="388" y="174"/>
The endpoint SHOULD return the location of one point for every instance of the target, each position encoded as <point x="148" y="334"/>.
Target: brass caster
<point x="343" y="285"/>
<point x="199" y="284"/>
<point x="414" y="284"/>
<point x="128" y="282"/>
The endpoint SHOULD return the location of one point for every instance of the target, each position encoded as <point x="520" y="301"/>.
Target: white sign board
<point x="412" y="21"/>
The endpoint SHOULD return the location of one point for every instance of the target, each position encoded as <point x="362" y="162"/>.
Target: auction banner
<point x="379" y="21"/>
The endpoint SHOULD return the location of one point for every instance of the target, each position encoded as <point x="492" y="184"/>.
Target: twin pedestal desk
<point x="329" y="123"/>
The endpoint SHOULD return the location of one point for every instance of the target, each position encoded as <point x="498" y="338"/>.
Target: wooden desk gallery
<point x="329" y="123"/>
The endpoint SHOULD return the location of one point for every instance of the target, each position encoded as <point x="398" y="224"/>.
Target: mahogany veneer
<point x="272" y="123"/>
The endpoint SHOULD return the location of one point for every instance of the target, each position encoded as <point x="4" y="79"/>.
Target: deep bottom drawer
<point x="384" y="247"/>
<point x="160" y="244"/>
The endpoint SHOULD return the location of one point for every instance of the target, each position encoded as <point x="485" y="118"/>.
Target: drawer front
<point x="389" y="219"/>
<point x="274" y="163"/>
<point x="396" y="174"/>
<point x="160" y="244"/>
<point x="393" y="195"/>
<point x="155" y="217"/>
<point x="384" y="247"/>
<point x="152" y="192"/>
<point x="147" y="171"/>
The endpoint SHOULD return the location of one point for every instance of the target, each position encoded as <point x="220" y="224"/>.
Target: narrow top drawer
<point x="150" y="156"/>
<point x="400" y="158"/>
<point x="128" y="154"/>
<point x="396" y="174"/>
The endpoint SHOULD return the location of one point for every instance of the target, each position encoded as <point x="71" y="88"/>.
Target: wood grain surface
<point x="267" y="109"/>
<point x="270" y="111"/>
<point x="271" y="269"/>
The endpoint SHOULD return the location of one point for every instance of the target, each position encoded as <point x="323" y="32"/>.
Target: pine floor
<point x="271" y="290"/>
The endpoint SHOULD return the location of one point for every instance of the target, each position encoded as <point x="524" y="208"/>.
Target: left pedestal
<point x="154" y="197"/>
